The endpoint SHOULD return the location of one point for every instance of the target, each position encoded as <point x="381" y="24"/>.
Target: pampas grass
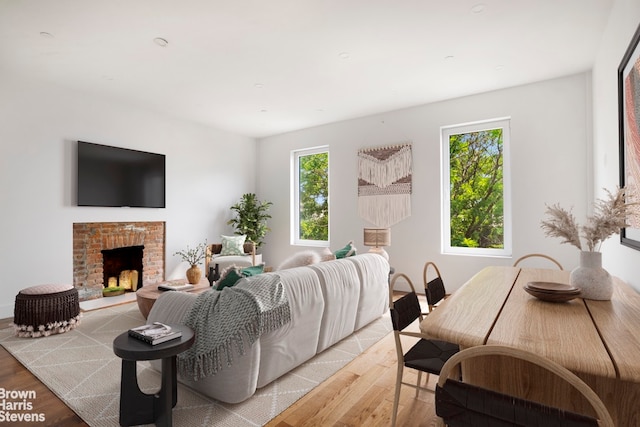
<point x="609" y="216"/>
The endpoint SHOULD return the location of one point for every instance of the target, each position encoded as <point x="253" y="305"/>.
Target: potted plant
<point x="193" y="256"/>
<point x="609" y="216"/>
<point x="250" y="218"/>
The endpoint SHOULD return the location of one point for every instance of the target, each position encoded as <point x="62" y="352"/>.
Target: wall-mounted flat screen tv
<point x="120" y="177"/>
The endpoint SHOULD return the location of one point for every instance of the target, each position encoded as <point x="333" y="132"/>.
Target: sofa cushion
<point x="232" y="245"/>
<point x="296" y="342"/>
<point x="46" y="289"/>
<point x="228" y="277"/>
<point x="300" y="259"/>
<point x="373" y="271"/>
<point x="252" y="271"/>
<point x="341" y="292"/>
<point x="326" y="255"/>
<point x="232" y="274"/>
<point x="237" y="260"/>
<point x="347" y="251"/>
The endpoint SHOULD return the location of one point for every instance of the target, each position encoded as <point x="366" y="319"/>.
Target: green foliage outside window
<point x="477" y="205"/>
<point x="314" y="196"/>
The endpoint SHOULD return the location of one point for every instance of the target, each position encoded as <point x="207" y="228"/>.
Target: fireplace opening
<point x="123" y="267"/>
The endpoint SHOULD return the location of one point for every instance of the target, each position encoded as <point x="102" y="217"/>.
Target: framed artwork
<point x="629" y="134"/>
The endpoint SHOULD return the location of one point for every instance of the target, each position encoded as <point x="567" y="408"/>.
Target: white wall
<point x="550" y="133"/>
<point x="207" y="171"/>
<point x="620" y="260"/>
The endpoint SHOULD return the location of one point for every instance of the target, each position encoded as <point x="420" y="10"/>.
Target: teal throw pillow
<point x="347" y="251"/>
<point x="229" y="277"/>
<point x="233" y="245"/>
<point x="253" y="271"/>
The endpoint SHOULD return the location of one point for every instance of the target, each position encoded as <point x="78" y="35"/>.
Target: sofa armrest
<point x="171" y="307"/>
<point x="233" y="384"/>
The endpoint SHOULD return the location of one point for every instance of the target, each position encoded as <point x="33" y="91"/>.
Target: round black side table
<point x="137" y="407"/>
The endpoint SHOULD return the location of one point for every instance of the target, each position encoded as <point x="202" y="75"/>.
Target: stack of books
<point x="154" y="333"/>
<point x="175" y="286"/>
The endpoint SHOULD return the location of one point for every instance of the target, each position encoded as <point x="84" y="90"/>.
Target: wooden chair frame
<point x="451" y="370"/>
<point x="401" y="356"/>
<point x="522" y="258"/>
<point x="215" y="248"/>
<point x="400" y="351"/>
<point x="426" y="281"/>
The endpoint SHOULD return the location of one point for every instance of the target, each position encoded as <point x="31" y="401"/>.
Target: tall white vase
<point x="594" y="281"/>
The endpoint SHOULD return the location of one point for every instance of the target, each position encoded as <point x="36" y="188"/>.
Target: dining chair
<point x="522" y="258"/>
<point x="425" y="355"/>
<point x="460" y="403"/>
<point x="434" y="288"/>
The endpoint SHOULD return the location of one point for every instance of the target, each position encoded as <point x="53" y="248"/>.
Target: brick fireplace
<point x="91" y="240"/>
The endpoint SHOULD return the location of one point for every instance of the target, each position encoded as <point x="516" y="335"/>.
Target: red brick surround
<point x="91" y="238"/>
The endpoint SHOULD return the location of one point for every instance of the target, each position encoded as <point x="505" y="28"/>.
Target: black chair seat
<point x="430" y="355"/>
<point x="467" y="405"/>
<point x="461" y="403"/>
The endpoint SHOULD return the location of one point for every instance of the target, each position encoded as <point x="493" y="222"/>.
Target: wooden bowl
<point x="552" y="292"/>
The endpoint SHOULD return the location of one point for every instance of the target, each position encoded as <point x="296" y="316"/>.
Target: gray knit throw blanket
<point x="231" y="319"/>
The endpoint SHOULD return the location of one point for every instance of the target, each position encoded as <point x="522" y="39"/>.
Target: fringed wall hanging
<point x="384" y="184"/>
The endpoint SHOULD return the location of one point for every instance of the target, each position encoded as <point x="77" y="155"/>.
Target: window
<point x="476" y="182"/>
<point x="310" y="208"/>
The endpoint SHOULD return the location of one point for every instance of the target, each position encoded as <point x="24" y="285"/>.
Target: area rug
<point x="81" y="368"/>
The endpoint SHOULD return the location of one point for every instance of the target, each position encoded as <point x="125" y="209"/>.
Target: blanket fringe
<point x="228" y="322"/>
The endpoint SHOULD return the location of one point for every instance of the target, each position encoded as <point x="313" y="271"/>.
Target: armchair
<point x="213" y="257"/>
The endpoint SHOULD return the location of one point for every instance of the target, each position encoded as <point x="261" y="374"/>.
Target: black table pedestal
<point x="137" y="407"/>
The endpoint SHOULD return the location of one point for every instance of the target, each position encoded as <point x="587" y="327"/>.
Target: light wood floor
<point x="359" y="394"/>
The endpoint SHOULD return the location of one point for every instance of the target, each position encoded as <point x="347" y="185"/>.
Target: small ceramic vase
<point x="593" y="280"/>
<point x="194" y="274"/>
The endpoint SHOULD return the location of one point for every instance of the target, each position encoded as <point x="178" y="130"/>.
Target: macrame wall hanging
<point x="384" y="184"/>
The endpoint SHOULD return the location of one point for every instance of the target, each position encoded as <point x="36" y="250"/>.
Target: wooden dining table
<point x="599" y="341"/>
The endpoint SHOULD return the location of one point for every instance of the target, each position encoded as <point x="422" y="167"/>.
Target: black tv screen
<point x="118" y="177"/>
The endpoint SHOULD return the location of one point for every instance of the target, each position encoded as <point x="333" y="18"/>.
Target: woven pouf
<point x="44" y="310"/>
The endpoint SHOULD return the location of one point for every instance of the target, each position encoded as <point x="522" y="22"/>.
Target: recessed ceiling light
<point x="263" y="111"/>
<point x="160" y="42"/>
<point x="258" y="85"/>
<point x="478" y="8"/>
<point x="449" y="57"/>
<point x="46" y="35"/>
<point x="344" y="55"/>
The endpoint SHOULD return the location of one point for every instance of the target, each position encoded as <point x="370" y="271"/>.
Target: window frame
<point x="445" y="132"/>
<point x="295" y="196"/>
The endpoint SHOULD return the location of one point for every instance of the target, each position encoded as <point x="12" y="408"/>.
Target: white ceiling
<point x="263" y="67"/>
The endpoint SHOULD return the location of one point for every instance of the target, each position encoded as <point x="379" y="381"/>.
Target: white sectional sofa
<point x="329" y="301"/>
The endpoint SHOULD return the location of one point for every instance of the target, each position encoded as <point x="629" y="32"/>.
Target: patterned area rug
<point x="80" y="367"/>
